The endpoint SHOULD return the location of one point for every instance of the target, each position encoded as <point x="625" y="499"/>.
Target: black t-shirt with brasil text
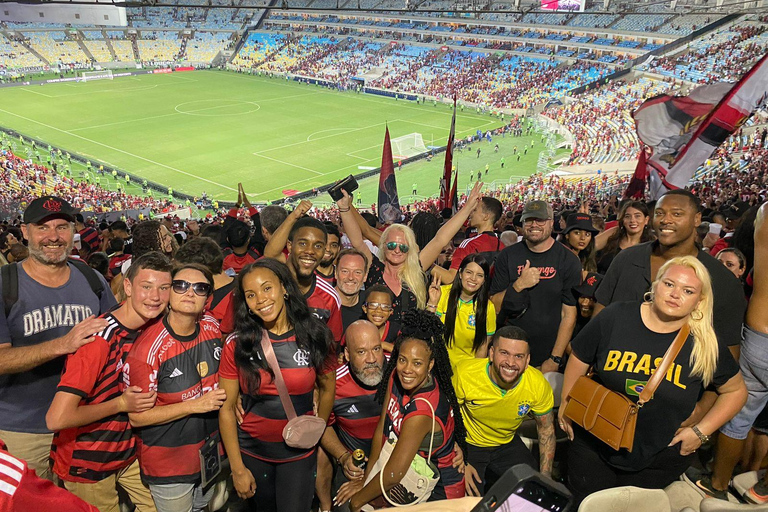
<point x="536" y="310"/>
<point x="624" y="353"/>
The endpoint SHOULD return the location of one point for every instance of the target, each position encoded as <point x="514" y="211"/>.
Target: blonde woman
<point x="624" y="344"/>
<point x="401" y="266"/>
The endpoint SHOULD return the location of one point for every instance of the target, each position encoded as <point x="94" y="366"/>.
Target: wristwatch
<point x="557" y="359"/>
<point x="704" y="439"/>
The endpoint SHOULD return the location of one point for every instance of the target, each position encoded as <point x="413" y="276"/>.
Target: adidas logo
<point x="352" y="410"/>
<point x="176" y="373"/>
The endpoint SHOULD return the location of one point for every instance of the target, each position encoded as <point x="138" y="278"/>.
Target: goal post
<point x="104" y="74"/>
<point x="408" y="146"/>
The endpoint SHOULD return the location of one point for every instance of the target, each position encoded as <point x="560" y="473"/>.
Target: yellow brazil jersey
<point x="464" y="329"/>
<point x="491" y="414"/>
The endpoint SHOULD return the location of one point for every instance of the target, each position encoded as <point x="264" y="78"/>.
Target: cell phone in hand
<point x="349" y="184"/>
<point x="521" y="489"/>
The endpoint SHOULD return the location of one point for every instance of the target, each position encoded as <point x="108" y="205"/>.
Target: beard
<point x="36" y="252"/>
<point x="369" y="379"/>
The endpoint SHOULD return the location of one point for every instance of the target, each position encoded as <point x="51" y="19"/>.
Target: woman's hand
<point x="345" y="202"/>
<point x="458" y="458"/>
<point x="689" y="441"/>
<point x="347" y="490"/>
<point x="565" y="423"/>
<point x="245" y="484"/>
<point x="435" y="292"/>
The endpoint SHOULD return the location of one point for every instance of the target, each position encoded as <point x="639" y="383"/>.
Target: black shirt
<point x="536" y="310"/>
<point x="624" y="351"/>
<point x="403" y="302"/>
<point x="629" y="277"/>
<point x="350" y="314"/>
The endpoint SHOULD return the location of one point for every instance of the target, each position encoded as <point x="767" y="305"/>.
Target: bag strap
<point x="669" y="357"/>
<point x="90" y="275"/>
<point x="10" y="276"/>
<point x="269" y="353"/>
<point x="429" y="456"/>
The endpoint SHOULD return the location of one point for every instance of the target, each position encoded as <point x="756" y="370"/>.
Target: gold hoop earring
<point x="697" y="315"/>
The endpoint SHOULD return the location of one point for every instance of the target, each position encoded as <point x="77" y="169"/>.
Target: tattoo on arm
<point x="546" y="430"/>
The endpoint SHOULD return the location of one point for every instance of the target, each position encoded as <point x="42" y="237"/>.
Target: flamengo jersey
<point x="261" y="433"/>
<point x="324" y="302"/>
<point x="92" y="452"/>
<point x="484" y="242"/>
<point x="355" y="411"/>
<point x="221" y="306"/>
<point x="180" y="368"/>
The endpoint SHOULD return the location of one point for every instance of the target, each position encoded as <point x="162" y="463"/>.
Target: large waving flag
<point x="454" y="204"/>
<point x="445" y="181"/>
<point x="683" y="131"/>
<point x="389" y="203"/>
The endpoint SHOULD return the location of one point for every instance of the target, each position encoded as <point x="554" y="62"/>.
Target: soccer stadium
<point x="548" y="260"/>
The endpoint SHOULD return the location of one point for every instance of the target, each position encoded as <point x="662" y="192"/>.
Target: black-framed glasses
<point x="378" y="305"/>
<point x="394" y="245"/>
<point x="202" y="289"/>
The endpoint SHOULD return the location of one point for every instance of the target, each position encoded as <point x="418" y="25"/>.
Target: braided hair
<point x="425" y="326"/>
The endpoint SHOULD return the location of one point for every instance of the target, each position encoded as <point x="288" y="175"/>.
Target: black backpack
<point x="10" y="276"/>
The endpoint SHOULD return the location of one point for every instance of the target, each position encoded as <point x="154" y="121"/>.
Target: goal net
<point x="104" y="74"/>
<point x="408" y="146"/>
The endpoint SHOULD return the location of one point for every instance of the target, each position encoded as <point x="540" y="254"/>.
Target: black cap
<point x="736" y="210"/>
<point x="589" y="286"/>
<point x="580" y="221"/>
<point x="48" y="207"/>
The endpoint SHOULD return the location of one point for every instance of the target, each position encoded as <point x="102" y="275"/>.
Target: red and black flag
<point x="683" y="131"/>
<point x="389" y="203"/>
<point x="445" y="181"/>
<point x="454" y="204"/>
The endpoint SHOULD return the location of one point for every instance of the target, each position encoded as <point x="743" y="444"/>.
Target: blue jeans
<point x="180" y="497"/>
<point x="753" y="363"/>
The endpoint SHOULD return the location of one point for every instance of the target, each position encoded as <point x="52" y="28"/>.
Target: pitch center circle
<point x="217" y="108"/>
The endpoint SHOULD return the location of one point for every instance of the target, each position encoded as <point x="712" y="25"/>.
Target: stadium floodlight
<point x="104" y="74"/>
<point x="408" y="146"/>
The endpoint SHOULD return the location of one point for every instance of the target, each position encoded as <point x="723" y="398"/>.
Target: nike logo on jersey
<point x="176" y="373"/>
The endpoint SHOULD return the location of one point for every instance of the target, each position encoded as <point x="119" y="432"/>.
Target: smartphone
<point x="521" y="489"/>
<point x="349" y="184"/>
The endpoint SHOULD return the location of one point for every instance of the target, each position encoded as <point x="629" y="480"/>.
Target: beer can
<point x="358" y="458"/>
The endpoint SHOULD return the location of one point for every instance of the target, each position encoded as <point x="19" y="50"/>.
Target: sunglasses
<point x="394" y="245"/>
<point x="377" y="305"/>
<point x="181" y="287"/>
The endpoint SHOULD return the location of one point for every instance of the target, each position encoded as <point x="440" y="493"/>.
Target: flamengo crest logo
<point x="52" y="205"/>
<point x="301" y="357"/>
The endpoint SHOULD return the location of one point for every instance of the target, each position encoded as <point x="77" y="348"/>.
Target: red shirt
<point x="93" y="452"/>
<point x="324" y="302"/>
<point x="221" y="306"/>
<point x="238" y="263"/>
<point x="21" y="490"/>
<point x="356" y="411"/>
<point x="179" y="368"/>
<point x="484" y="242"/>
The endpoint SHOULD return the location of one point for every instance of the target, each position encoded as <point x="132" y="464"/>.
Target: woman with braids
<point x="418" y="368"/>
<point x="633" y="229"/>
<point x="265" y="469"/>
<point x="463" y="308"/>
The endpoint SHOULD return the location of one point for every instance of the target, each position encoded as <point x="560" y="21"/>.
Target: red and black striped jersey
<point x="324" y="302"/>
<point x="221" y="306"/>
<point x="261" y="432"/>
<point x="92" y="452"/>
<point x="355" y="411"/>
<point x="179" y="368"/>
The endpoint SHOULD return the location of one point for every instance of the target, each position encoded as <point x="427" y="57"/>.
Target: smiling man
<point x="496" y="394"/>
<point x="49" y="309"/>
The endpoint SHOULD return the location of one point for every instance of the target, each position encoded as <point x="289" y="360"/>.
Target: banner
<point x="454" y="205"/>
<point x="683" y="131"/>
<point x="389" y="203"/>
<point x="445" y="181"/>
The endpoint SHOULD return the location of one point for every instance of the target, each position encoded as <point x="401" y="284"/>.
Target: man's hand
<point x="345" y="202"/>
<point x="347" y="490"/>
<point x="351" y="471"/>
<point x="529" y="277"/>
<point x="80" y="335"/>
<point x="209" y="402"/>
<point x="709" y="241"/>
<point x="239" y="202"/>
<point x="133" y="400"/>
<point x="246" y="202"/>
<point x="472" y="480"/>
<point x="549" y="366"/>
<point x="301" y="209"/>
<point x="474" y="197"/>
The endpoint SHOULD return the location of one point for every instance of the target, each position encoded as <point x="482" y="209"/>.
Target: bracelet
<point x="338" y="460"/>
<point x="431" y="306"/>
<point x="343" y="211"/>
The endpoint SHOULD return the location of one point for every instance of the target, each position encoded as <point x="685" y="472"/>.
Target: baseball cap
<point x="580" y="221"/>
<point x="536" y="210"/>
<point x="736" y="210"/>
<point x="48" y="207"/>
<point x="589" y="286"/>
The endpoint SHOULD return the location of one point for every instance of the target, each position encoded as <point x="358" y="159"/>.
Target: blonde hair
<point x="410" y="272"/>
<point x="705" y="347"/>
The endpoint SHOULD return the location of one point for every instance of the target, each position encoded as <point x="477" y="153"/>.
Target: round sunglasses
<point x="202" y="289"/>
<point x="393" y="245"/>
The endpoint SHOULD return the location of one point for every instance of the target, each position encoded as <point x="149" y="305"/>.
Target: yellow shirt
<point x="464" y="328"/>
<point x="491" y="414"/>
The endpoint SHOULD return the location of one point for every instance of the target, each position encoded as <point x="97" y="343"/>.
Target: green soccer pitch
<point x="209" y="130"/>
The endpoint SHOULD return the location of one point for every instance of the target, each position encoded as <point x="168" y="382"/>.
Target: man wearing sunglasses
<point x="89" y="398"/>
<point x="532" y="287"/>
<point x="178" y="358"/>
